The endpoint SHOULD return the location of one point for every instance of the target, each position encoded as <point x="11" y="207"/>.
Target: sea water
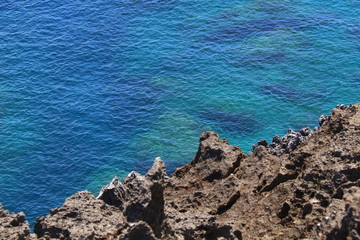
<point x="90" y="89"/>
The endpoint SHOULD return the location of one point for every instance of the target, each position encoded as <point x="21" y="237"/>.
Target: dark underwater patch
<point x="152" y="5"/>
<point x="356" y="78"/>
<point x="258" y="60"/>
<point x="309" y="122"/>
<point x="272" y="7"/>
<point x="242" y="30"/>
<point x="133" y="106"/>
<point x="355" y="31"/>
<point x="289" y="94"/>
<point x="227" y="16"/>
<point x="231" y="122"/>
<point x="354" y="34"/>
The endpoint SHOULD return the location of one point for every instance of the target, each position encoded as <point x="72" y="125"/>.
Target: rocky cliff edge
<point x="305" y="185"/>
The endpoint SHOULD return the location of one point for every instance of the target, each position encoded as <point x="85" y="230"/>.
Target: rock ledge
<point x="305" y="185"/>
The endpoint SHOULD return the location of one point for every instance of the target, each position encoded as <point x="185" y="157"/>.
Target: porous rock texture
<point x="13" y="225"/>
<point x="82" y="216"/>
<point x="305" y="185"/>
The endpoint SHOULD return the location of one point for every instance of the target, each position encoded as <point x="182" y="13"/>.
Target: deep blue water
<point x="93" y="89"/>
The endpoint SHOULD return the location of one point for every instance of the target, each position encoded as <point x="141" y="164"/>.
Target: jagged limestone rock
<point x="82" y="216"/>
<point x="215" y="159"/>
<point x="13" y="225"/>
<point x="305" y="185"/>
<point x="139" y="197"/>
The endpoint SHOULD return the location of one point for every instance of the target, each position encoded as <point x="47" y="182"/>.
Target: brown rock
<point x="139" y="197"/>
<point x="82" y="216"/>
<point x="215" y="159"/>
<point x="305" y="185"/>
<point x="13" y="225"/>
<point x="138" y="231"/>
<point x="310" y="190"/>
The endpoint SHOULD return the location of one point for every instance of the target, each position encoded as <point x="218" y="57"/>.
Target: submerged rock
<point x="236" y="123"/>
<point x="291" y="94"/>
<point x="245" y="29"/>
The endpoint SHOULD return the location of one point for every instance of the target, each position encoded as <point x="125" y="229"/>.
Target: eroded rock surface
<point x="306" y="193"/>
<point x="305" y="185"/>
<point x="82" y="216"/>
<point x="215" y="159"/>
<point x="140" y="197"/>
<point x="13" y="225"/>
<point x="288" y="143"/>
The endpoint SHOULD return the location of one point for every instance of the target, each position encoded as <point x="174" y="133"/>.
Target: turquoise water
<point x="93" y="89"/>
